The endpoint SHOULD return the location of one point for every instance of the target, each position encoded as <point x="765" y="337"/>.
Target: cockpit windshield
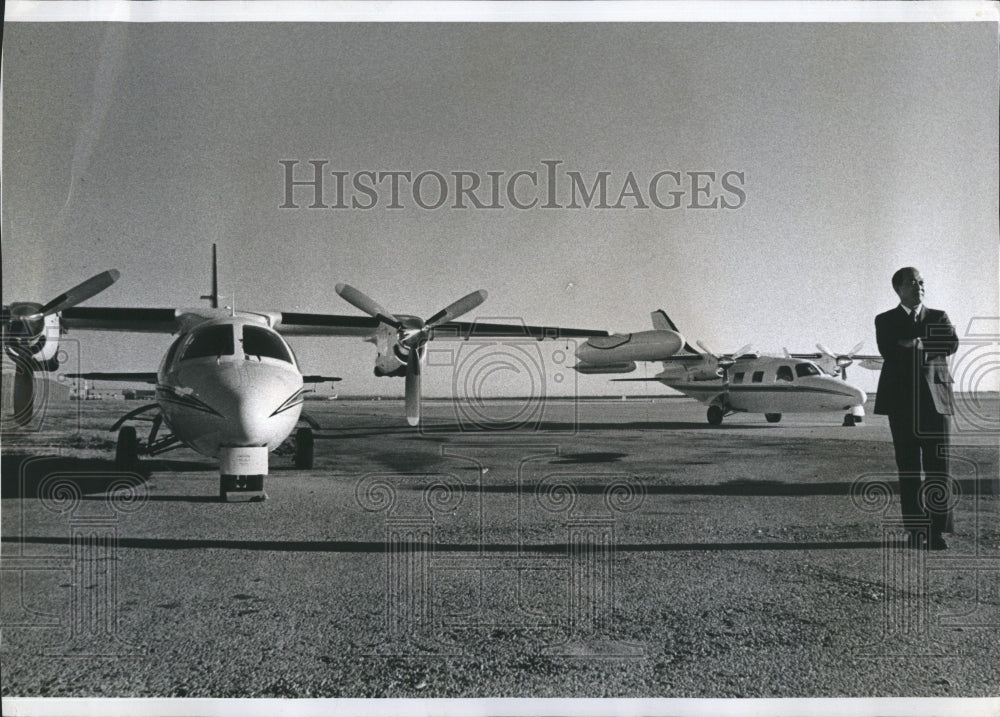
<point x="210" y="341"/>
<point x="806" y="369"/>
<point x="259" y="342"/>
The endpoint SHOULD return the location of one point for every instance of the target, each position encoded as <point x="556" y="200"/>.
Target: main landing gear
<point x="716" y="413"/>
<point x="127" y="450"/>
<point x="303" y="448"/>
<point x="856" y="416"/>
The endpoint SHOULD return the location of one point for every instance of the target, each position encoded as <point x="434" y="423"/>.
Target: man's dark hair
<point x="902" y="275"/>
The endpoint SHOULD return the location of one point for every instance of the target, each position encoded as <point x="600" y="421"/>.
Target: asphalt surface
<point x="592" y="549"/>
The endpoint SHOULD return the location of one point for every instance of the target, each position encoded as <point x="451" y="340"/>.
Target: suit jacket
<point x="905" y="369"/>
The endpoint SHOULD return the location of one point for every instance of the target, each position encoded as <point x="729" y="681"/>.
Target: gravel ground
<point x="608" y="549"/>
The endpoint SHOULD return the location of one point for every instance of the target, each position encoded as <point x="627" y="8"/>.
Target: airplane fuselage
<point x="230" y="382"/>
<point x="767" y="384"/>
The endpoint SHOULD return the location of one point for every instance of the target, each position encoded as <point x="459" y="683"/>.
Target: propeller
<point x="23" y="326"/>
<point x="724" y="361"/>
<point x="842" y="360"/>
<point x="412" y="334"/>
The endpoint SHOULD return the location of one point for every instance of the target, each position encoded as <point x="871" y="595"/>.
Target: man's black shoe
<point x="938" y="543"/>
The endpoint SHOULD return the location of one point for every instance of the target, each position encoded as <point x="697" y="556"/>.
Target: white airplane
<point x="746" y="382"/>
<point x="229" y="386"/>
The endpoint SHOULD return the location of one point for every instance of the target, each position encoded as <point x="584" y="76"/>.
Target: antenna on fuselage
<point x="213" y="298"/>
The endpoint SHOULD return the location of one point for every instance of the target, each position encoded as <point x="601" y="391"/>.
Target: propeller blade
<point x="413" y="387"/>
<point x="368" y="305"/>
<point x="456" y="309"/>
<point x="23" y="393"/>
<point x="705" y="348"/>
<point x="856" y="348"/>
<point x="742" y="350"/>
<point x="825" y="351"/>
<point x="81" y="292"/>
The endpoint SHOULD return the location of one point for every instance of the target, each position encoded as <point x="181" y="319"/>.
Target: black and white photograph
<point x="500" y="358"/>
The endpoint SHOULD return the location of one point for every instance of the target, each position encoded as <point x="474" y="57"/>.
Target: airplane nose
<point x="250" y="422"/>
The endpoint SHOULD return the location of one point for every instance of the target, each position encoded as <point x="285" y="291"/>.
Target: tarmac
<point x="519" y="548"/>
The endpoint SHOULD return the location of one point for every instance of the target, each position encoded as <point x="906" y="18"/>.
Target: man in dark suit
<point x="914" y="390"/>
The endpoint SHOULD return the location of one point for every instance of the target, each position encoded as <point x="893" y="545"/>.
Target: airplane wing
<point x="872" y="362"/>
<point x="296" y="324"/>
<point x="170" y="321"/>
<point x="135" y="377"/>
<point x="651" y="378"/>
<point x="158" y="321"/>
<point x="320" y="379"/>
<point x="464" y="330"/>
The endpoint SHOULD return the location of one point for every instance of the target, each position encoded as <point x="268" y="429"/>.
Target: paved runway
<point x="574" y="549"/>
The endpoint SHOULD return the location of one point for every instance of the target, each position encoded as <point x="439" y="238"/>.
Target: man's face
<point x="911" y="290"/>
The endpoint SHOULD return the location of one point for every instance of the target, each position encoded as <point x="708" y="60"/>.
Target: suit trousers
<point x="920" y="439"/>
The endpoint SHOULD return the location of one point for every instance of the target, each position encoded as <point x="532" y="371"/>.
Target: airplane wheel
<point x="127" y="450"/>
<point x="715" y="415"/>
<point x="772" y="417"/>
<point x="849" y="420"/>
<point x="304" y="448"/>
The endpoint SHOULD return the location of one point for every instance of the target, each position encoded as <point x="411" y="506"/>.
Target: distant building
<point x="139" y="394"/>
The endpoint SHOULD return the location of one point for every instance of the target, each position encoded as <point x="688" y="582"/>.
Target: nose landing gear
<point x="236" y="487"/>
<point x="241" y="473"/>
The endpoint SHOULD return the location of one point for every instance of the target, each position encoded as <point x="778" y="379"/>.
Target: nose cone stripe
<point x="295" y="399"/>
<point x="170" y="395"/>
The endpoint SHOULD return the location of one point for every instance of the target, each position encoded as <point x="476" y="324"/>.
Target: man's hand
<point x="909" y="343"/>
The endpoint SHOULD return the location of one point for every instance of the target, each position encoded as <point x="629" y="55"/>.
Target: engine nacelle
<point x="623" y="348"/>
<point x="704" y="373"/>
<point x="624" y="367"/>
<point x="36" y="338"/>
<point x="393" y="354"/>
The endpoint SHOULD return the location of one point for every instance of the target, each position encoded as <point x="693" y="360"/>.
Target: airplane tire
<point x="304" y="448"/>
<point x="715" y="415"/>
<point x="849" y="420"/>
<point x="772" y="417"/>
<point x="127" y="450"/>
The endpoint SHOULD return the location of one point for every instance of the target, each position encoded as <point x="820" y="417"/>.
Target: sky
<point x="854" y="149"/>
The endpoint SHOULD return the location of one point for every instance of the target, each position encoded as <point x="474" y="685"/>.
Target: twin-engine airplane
<point x="728" y="383"/>
<point x="229" y="386"/>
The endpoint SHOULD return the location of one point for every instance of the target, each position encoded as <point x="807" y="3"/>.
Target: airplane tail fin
<point x="213" y="298"/>
<point x="662" y="322"/>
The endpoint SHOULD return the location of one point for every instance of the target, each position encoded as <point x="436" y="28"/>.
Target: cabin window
<point x="758" y="376"/>
<point x="258" y="342"/>
<point x="738" y="376"/>
<point x="806" y="369"/>
<point x="784" y="373"/>
<point x="210" y="341"/>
